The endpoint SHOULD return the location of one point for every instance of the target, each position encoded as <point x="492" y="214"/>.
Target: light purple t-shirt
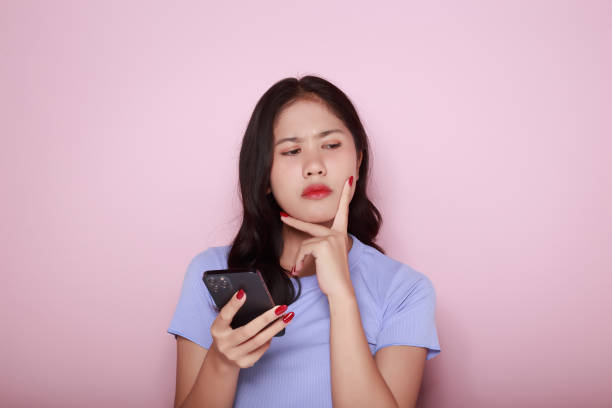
<point x="397" y="307"/>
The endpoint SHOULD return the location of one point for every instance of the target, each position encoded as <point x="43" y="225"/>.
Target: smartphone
<point x="223" y="283"/>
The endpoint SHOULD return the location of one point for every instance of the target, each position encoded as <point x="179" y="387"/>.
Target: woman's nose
<point x="314" y="166"/>
<point x="313" y="163"/>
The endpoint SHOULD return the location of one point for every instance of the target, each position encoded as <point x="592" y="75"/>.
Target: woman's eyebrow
<point x="299" y="139"/>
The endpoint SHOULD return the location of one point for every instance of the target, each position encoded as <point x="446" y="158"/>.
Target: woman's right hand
<point x="242" y="347"/>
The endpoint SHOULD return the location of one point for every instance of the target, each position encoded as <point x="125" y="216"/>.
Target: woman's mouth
<point x="316" y="191"/>
<point x="317" y="194"/>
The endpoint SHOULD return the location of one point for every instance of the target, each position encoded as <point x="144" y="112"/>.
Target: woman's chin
<point x="314" y="218"/>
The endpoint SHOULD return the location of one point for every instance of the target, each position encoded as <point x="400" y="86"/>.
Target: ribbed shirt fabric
<point x="396" y="303"/>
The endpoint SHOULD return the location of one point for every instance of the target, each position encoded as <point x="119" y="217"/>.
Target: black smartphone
<point x="223" y="283"/>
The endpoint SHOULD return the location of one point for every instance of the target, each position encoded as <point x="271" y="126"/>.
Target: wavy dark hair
<point x="259" y="243"/>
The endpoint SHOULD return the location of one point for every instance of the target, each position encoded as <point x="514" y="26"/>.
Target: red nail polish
<point x="288" y="318"/>
<point x="240" y="294"/>
<point x="284" y="214"/>
<point x="280" y="310"/>
<point x="351" y="181"/>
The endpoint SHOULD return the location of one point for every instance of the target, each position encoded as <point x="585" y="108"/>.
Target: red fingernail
<point x="240" y="294"/>
<point x="351" y="181"/>
<point x="284" y="214"/>
<point x="288" y="318"/>
<point x="280" y="310"/>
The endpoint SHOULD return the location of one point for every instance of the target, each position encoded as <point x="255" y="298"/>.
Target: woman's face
<point x="308" y="158"/>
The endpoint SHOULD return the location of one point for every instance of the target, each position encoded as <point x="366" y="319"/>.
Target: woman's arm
<point x="202" y="379"/>
<point x="209" y="378"/>
<point x="402" y="368"/>
<point x="356" y="379"/>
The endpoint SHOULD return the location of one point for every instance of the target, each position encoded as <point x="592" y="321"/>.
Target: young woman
<point x="359" y="324"/>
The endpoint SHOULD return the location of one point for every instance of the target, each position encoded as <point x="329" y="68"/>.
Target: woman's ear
<point x="359" y="162"/>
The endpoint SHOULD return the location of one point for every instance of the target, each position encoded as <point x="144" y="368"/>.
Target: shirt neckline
<point x="311" y="281"/>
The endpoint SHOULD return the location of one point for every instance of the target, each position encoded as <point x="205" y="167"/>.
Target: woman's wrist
<point x="219" y="364"/>
<point x="344" y="298"/>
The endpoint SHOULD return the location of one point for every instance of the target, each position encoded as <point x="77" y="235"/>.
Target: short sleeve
<point x="408" y="316"/>
<point x="195" y="311"/>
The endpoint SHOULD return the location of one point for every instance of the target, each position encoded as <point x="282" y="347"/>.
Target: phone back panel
<point x="222" y="284"/>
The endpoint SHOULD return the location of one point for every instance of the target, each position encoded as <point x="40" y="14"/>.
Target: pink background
<point x="490" y="125"/>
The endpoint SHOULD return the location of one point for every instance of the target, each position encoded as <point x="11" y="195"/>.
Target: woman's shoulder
<point x="213" y="257"/>
<point x="384" y="274"/>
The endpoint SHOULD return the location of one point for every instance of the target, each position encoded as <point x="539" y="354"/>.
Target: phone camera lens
<point x="224" y="282"/>
<point x="217" y="284"/>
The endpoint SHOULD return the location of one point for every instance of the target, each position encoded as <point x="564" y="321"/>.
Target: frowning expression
<point x="311" y="147"/>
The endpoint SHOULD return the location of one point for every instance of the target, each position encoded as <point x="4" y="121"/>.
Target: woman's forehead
<point x="305" y="117"/>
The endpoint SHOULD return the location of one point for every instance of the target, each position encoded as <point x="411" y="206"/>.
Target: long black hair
<point x="259" y="242"/>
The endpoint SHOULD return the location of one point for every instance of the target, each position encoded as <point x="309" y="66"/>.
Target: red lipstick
<point x="316" y="191"/>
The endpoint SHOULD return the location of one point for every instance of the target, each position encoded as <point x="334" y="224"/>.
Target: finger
<point x="265" y="335"/>
<point x="253" y="327"/>
<point x="313" y="229"/>
<point x="230" y="309"/>
<point x="307" y="248"/>
<point x="341" y="219"/>
<point x="258" y="352"/>
<point x="250" y="359"/>
<point x="301" y="259"/>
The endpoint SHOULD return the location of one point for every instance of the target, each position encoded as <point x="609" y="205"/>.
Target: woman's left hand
<point x="329" y="248"/>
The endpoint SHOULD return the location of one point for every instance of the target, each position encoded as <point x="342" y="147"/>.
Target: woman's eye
<point x="292" y="152"/>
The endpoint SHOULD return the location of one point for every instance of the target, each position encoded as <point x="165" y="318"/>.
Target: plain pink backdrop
<point x="491" y="132"/>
